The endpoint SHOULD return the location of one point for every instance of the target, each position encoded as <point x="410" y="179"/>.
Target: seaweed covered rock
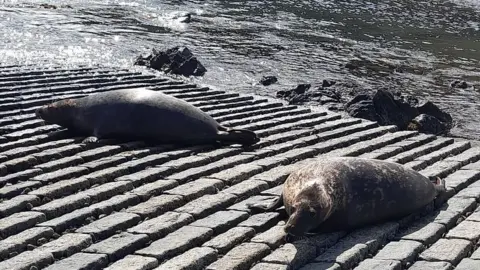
<point x="176" y="60"/>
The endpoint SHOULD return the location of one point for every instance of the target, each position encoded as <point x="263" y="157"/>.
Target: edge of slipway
<point x="66" y="205"/>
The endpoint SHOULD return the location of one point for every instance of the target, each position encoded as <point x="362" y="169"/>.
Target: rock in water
<point x="393" y="111"/>
<point x="177" y="60"/>
<point x="268" y="80"/>
<point x="428" y="124"/>
<point x="141" y="114"/>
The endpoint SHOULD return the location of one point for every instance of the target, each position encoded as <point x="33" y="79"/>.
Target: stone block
<point x="425" y="265"/>
<point x="176" y="243"/>
<point x="195" y="258"/>
<point x="237" y="174"/>
<point x="108" y="225"/>
<point x="461" y="179"/>
<point x="404" y="251"/>
<point x="468" y="230"/>
<point x="468" y="264"/>
<point x="82" y="261"/>
<point x="261" y="222"/>
<point x="293" y="255"/>
<point x="63" y="174"/>
<point x="19" y="242"/>
<point x="346" y="253"/>
<point x="18" y="222"/>
<point x="155" y="188"/>
<point x="17" y="204"/>
<point x="273" y="237"/>
<point x="243" y="205"/>
<point x="208" y="204"/>
<point x="374" y="264"/>
<point x="247" y="188"/>
<point x="227" y="240"/>
<point x="10" y="191"/>
<point x="119" y="245"/>
<point x="28" y="260"/>
<point x="270" y="266"/>
<point x="67" y="245"/>
<point x="159" y="227"/>
<point x="134" y="262"/>
<point x="64" y="205"/>
<point x="241" y="257"/>
<point x="422" y="231"/>
<point x="447" y="250"/>
<point x="221" y="221"/>
<point x="196" y="189"/>
<point x="62" y="188"/>
<point x="156" y="206"/>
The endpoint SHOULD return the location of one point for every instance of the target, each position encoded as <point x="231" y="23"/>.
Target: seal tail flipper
<point x="262" y="207"/>
<point x="241" y="136"/>
<point x="440" y="185"/>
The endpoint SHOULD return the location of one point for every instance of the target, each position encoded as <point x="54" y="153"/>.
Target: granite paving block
<point x="134" y="262"/>
<point x="476" y="254"/>
<point x="106" y="175"/>
<point x="160" y="226"/>
<point x="156" y="206"/>
<point x="176" y="243"/>
<point x="154" y="189"/>
<point x="410" y="155"/>
<point x="18" y="222"/>
<point x="67" y="245"/>
<point x="423" y="231"/>
<point x="243" y="205"/>
<point x="196" y="189"/>
<point x="247" y="188"/>
<point x="28" y="260"/>
<point x="108" y="225"/>
<point x="294" y="255"/>
<point x="21" y="176"/>
<point x="273" y="237"/>
<point x="374" y="236"/>
<point x="467" y="156"/>
<point x="119" y="245"/>
<point x="447" y="218"/>
<point x="475" y="166"/>
<point x="374" y="264"/>
<point x="55" y="176"/>
<point x="405" y="251"/>
<point x="261" y="222"/>
<point x="461" y="179"/>
<point x="459" y="204"/>
<point x="241" y="257"/>
<point x="275" y="176"/>
<point x="452" y="149"/>
<point x="104" y="163"/>
<point x="227" y="240"/>
<point x="62" y="188"/>
<point x="20" y="164"/>
<point x="346" y="253"/>
<point x="270" y="266"/>
<point x="447" y="250"/>
<point x="237" y="174"/>
<point x="18" y="242"/>
<point x="99" y="152"/>
<point x="195" y="258"/>
<point x="81" y="261"/>
<point x="468" y="264"/>
<point x="276" y="191"/>
<point x="17" y="204"/>
<point x="10" y="191"/>
<point x="221" y="221"/>
<point x="70" y="220"/>
<point x="468" y="230"/>
<point x="116" y="203"/>
<point x="208" y="204"/>
<point x="441" y="169"/>
<point x="148" y="175"/>
<point x="425" y="265"/>
<point x="64" y="205"/>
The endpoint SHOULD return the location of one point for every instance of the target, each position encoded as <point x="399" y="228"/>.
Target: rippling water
<point x="415" y="46"/>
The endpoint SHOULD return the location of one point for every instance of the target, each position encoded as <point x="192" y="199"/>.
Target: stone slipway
<point x="65" y="205"/>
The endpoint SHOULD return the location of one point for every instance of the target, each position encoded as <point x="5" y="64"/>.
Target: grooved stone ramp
<point x="66" y="205"/>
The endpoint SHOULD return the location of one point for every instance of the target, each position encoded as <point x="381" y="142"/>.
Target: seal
<point x="345" y="193"/>
<point x="140" y="114"/>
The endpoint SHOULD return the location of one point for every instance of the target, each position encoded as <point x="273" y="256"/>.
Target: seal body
<point x="140" y="114"/>
<point x="346" y="193"/>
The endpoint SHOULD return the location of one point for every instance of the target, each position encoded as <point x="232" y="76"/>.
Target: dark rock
<point x="361" y="106"/>
<point x="393" y="111"/>
<point x="460" y="84"/>
<point x="302" y="88"/>
<point x="327" y="83"/>
<point x="431" y="109"/>
<point x="268" y="80"/>
<point x="428" y="124"/>
<point x="177" y="60"/>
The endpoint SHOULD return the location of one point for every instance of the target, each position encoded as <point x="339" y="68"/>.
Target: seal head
<point x="309" y="210"/>
<point x="60" y="112"/>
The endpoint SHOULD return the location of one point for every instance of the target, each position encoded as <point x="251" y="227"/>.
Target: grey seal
<point x="141" y="114"/>
<point x="344" y="193"/>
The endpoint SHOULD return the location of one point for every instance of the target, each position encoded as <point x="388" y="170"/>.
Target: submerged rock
<point x="176" y="60"/>
<point x="460" y="84"/>
<point x="268" y="80"/>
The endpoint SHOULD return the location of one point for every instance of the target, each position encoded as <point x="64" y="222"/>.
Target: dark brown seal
<point x="344" y="193"/>
<point x="141" y="114"/>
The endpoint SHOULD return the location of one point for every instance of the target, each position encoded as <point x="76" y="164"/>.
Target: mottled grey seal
<point x="344" y="193"/>
<point x="141" y="114"/>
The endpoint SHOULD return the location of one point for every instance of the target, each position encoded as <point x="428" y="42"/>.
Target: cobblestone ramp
<point x="66" y="205"/>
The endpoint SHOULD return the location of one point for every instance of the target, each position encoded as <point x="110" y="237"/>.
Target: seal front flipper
<point x="91" y="139"/>
<point x="263" y="207"/>
<point x="241" y="136"/>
